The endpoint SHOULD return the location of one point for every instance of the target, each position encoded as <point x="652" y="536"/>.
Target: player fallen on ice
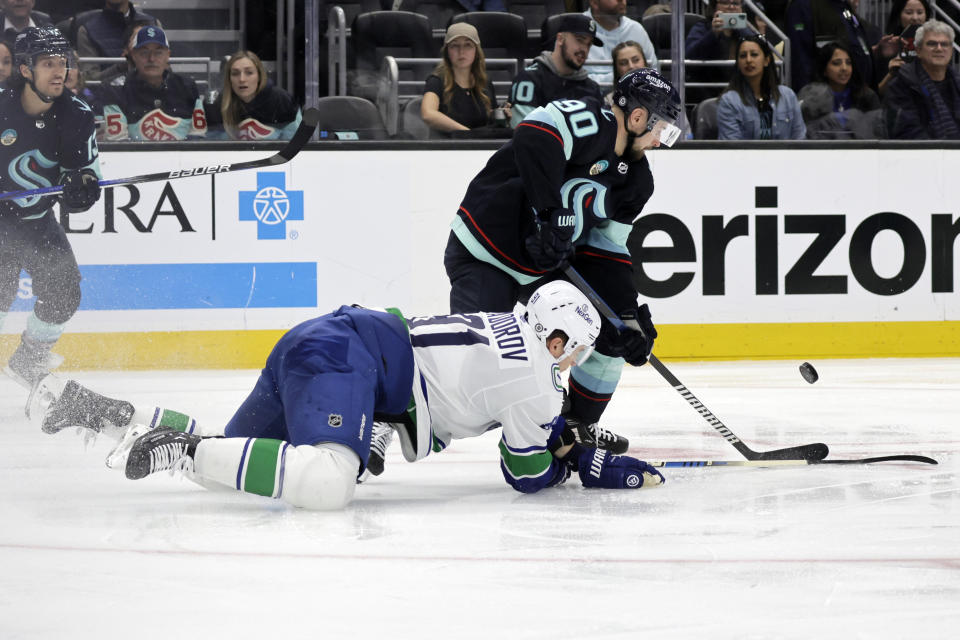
<point x="566" y="190"/>
<point x="303" y="434"/>
<point x="48" y="138"/>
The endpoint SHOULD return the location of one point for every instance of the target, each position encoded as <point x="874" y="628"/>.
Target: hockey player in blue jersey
<point x="566" y="189"/>
<point x="303" y="434"/>
<point x="46" y="138"/>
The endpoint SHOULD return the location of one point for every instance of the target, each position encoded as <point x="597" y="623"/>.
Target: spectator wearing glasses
<point x="755" y="106"/>
<point x="923" y="101"/>
<point x="154" y="104"/>
<point x="249" y="108"/>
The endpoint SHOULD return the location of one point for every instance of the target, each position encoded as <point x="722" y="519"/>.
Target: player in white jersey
<point x="303" y="433"/>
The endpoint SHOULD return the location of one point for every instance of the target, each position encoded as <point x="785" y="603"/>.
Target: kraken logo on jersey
<point x="22" y="171"/>
<point x="584" y="197"/>
<point x="158" y="126"/>
<point x="252" y="129"/>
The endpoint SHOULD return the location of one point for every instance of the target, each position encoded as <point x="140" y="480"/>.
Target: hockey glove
<point x="636" y="341"/>
<point x="80" y="189"/>
<point x="601" y="469"/>
<point x="552" y="244"/>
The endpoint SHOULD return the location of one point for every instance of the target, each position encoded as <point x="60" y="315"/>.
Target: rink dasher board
<point x="737" y="255"/>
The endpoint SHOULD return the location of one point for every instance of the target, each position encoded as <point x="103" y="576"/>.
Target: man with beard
<point x="558" y="74"/>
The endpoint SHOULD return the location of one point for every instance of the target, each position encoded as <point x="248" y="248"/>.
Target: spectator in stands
<point x="897" y="45"/>
<point x="102" y="34"/>
<point x="627" y="56"/>
<point x="249" y="108"/>
<point x="6" y="62"/>
<point x="559" y="73"/>
<point x="812" y="23"/>
<point x="755" y="106"/>
<point x="154" y="103"/>
<point x="458" y="95"/>
<point x="710" y="40"/>
<point x="923" y="101"/>
<point x="17" y="15"/>
<point x="613" y="27"/>
<point x="835" y="103"/>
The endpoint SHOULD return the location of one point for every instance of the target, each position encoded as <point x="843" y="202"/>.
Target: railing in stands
<point x="180" y="65"/>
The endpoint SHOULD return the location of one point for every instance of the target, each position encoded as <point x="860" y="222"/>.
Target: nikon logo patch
<point x="8" y="137"/>
<point x="599" y="167"/>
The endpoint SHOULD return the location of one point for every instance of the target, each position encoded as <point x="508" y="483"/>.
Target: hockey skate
<point x="31" y="361"/>
<point x="593" y="435"/>
<point x="77" y="406"/>
<point x="161" y="449"/>
<point x="380" y="441"/>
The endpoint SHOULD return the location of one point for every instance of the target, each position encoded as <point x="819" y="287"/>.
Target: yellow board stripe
<point x="734" y="341"/>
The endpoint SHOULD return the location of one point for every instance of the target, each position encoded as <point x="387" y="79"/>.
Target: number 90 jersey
<point x="563" y="140"/>
<point x="484" y="370"/>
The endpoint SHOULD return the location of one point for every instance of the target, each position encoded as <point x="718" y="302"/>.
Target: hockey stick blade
<point x="817" y="451"/>
<point x="787" y="463"/>
<point x="300" y="138"/>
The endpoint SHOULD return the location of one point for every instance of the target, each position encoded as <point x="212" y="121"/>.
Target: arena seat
<point x="658" y="27"/>
<point x="705" y="120"/>
<point x="349" y="114"/>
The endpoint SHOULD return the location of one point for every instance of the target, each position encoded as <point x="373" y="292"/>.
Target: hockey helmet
<point x="648" y="89"/>
<point x="560" y="305"/>
<point x="38" y="41"/>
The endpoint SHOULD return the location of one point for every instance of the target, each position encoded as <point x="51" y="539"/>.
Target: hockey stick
<point x="788" y="463"/>
<point x="307" y="124"/>
<point x="811" y="452"/>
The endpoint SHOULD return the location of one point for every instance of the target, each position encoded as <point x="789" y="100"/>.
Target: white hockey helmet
<point x="560" y="305"/>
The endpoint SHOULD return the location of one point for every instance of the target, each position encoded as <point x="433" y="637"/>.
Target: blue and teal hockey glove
<point x="601" y="469"/>
<point x="80" y="189"/>
<point x="551" y="245"/>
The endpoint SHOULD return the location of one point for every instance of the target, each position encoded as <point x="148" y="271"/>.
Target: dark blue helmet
<point x="647" y="88"/>
<point x="39" y="41"/>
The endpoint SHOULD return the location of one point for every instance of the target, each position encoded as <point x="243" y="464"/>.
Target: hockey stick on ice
<point x="809" y="452"/>
<point x="787" y="463"/>
<point x="307" y="124"/>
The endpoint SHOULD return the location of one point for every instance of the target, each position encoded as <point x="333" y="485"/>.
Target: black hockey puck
<point x="809" y="373"/>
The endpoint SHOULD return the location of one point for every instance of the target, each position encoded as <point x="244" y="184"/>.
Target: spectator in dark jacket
<point x="812" y="23"/>
<point x="923" y="101"/>
<point x="17" y="15"/>
<point x="101" y="34"/>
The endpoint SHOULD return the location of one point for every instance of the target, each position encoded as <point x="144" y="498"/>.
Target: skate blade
<point x="42" y="396"/>
<point x="117" y="459"/>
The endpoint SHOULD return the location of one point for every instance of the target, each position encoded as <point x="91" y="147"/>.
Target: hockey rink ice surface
<point x="444" y="548"/>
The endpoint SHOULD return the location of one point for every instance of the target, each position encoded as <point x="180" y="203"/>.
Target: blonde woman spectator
<point x="755" y="106"/>
<point x="249" y="109"/>
<point x="458" y="95"/>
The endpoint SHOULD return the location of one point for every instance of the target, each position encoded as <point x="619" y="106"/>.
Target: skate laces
<point x="382" y="437"/>
<point x="170" y="456"/>
<point x="601" y="434"/>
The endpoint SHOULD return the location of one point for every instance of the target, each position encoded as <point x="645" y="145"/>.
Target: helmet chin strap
<point x="43" y="97"/>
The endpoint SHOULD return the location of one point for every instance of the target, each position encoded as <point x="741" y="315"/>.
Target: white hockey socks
<point x="313" y="477"/>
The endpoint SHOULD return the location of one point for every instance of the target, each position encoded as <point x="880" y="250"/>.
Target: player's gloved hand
<point x="552" y="244"/>
<point x="602" y="469"/>
<point x="636" y="342"/>
<point x="80" y="189"/>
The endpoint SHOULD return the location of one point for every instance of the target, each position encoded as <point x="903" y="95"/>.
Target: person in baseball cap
<point x="579" y="24"/>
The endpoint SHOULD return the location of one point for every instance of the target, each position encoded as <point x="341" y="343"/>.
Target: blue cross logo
<point x="271" y="205"/>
